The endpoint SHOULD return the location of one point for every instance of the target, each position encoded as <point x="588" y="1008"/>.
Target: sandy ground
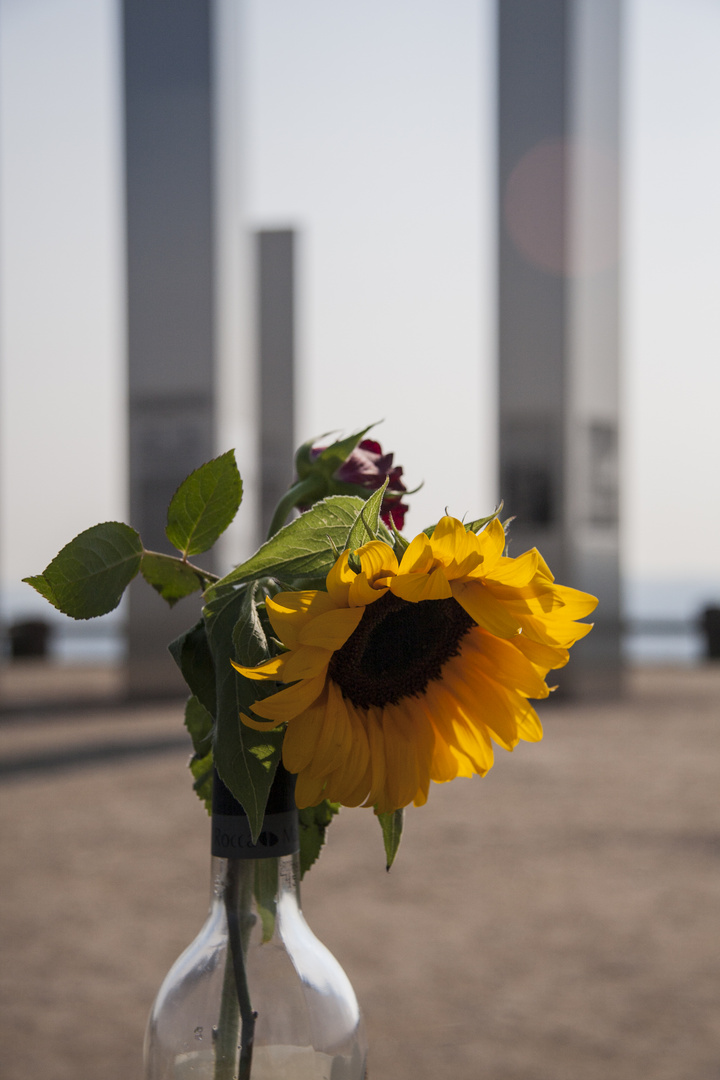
<point x="558" y="920"/>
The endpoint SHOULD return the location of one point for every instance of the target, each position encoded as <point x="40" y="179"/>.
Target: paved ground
<point x="559" y="920"/>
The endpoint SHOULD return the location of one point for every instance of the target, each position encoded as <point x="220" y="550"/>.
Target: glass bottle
<point x="256" y="996"/>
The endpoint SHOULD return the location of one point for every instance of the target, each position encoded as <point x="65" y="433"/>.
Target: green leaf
<point x="42" y="585"/>
<point x="249" y="637"/>
<point x="365" y="526"/>
<point x="266" y="888"/>
<point x="332" y="456"/>
<point x="199" y="724"/>
<point x="90" y="574"/>
<point x="204" y="505"/>
<point x="337" y="453"/>
<point x="480" y="523"/>
<point x="400" y="544"/>
<point x="171" y="577"/>
<point x="245" y="759"/>
<point x="202" y="771"/>
<point x="392" y="827"/>
<point x="314" y="821"/>
<point x="302" y="548"/>
<point x="191" y="653"/>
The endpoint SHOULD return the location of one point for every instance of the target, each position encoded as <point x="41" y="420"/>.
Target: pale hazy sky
<point x="369" y="128"/>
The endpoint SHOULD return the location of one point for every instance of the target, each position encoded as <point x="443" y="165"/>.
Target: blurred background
<point x="373" y="135"/>
<point x="492" y="225"/>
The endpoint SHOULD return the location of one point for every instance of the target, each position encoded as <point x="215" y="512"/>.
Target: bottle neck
<point x="258" y="876"/>
<point x="231" y="833"/>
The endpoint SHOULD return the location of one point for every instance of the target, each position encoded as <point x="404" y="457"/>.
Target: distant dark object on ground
<point x="710" y="625"/>
<point x="29" y="638"/>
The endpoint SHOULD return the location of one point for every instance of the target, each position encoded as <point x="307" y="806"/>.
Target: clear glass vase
<point x="256" y="996"/>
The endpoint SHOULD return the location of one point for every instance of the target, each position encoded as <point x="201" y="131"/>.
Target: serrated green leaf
<point x="204" y="505"/>
<point x="392" y="827"/>
<point x="365" y="526"/>
<point x="90" y="574"/>
<point x="171" y="577"/>
<point x="202" y="771"/>
<point x="480" y="523"/>
<point x="314" y="821"/>
<point x="384" y="534"/>
<point x="191" y="653"/>
<point x="199" y="724"/>
<point x="40" y="584"/>
<point x="249" y="636"/>
<point x="266" y="889"/>
<point x="332" y="456"/>
<point x="337" y="453"/>
<point x="302" y="548"/>
<point x="400" y="544"/>
<point x="245" y="759"/>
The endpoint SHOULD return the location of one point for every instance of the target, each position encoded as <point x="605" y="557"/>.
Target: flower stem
<point x="235" y="992"/>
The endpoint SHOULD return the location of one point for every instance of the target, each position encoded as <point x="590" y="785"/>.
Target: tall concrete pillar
<point x="170" y="297"/>
<point x="558" y="186"/>
<point x="275" y="283"/>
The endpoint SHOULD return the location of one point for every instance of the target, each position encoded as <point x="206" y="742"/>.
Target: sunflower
<point x="403" y="674"/>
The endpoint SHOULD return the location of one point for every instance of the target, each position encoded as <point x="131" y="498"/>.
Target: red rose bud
<point x="369" y="468"/>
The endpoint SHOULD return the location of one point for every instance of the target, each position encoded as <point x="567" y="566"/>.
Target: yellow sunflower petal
<point x="419" y="558"/>
<point x="466" y="736"/>
<point x="516" y="572"/>
<point x="417" y="587"/>
<point x="258" y="725"/>
<point x="377" y="765"/>
<point x="501" y="661"/>
<point x="348" y="783"/>
<point x="543" y="569"/>
<point x="305" y="662"/>
<point x="528" y="722"/>
<point x="302" y="735"/>
<point x="309" y="791"/>
<point x="271" y="669"/>
<point x="456" y="548"/>
<point x="554" y="631"/>
<point x="576" y="604"/>
<point x="465" y="766"/>
<point x="419" y="730"/>
<point x="363" y="592"/>
<point x="444" y="765"/>
<point x="409" y="744"/>
<point x="421" y="795"/>
<point x="335" y="741"/>
<point x="377" y="559"/>
<point x="331" y="629"/>
<point x="491" y="543"/>
<point x="543" y="657"/>
<point x="537" y="598"/>
<point x="484" y="699"/>
<point x="290" y="702"/>
<point x="289" y="611"/>
<point x="339" y="580"/>
<point x="356" y="777"/>
<point x="485" y="609"/>
<point x="402" y="780"/>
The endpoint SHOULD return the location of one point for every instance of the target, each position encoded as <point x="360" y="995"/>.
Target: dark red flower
<point x="368" y="467"/>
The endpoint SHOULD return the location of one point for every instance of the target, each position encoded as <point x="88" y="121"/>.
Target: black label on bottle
<point x="231" y="837"/>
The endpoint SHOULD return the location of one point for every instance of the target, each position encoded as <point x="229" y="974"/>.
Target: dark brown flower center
<point x="397" y="649"/>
